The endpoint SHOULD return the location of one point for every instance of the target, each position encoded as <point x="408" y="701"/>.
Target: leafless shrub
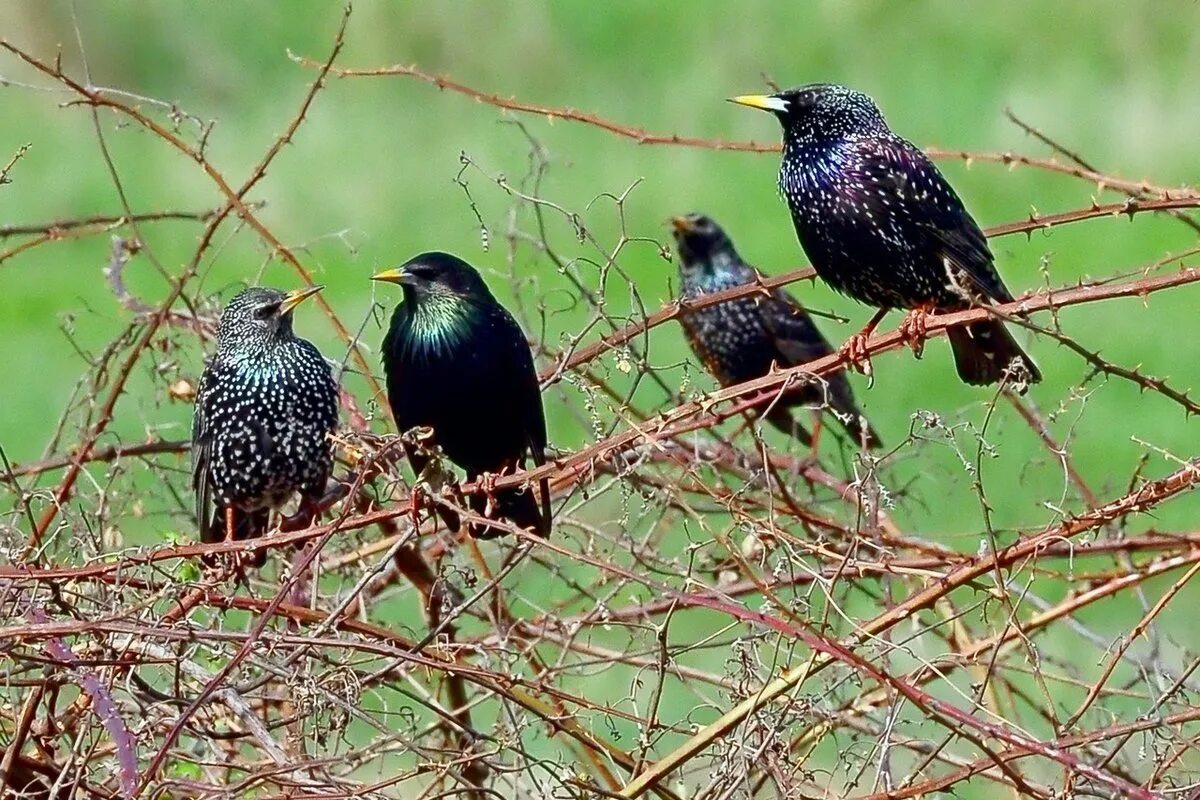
<point x="714" y="616"/>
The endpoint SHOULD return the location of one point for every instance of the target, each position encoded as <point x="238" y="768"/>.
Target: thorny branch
<point x="715" y="614"/>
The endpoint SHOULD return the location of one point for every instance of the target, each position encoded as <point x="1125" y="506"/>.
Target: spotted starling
<point x="457" y="362"/>
<point x="266" y="405"/>
<point x="740" y="339"/>
<point x="880" y="223"/>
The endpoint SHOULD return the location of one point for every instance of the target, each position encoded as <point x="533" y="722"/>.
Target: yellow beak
<point x="763" y="102"/>
<point x="399" y="275"/>
<point x="293" y="299"/>
<point x="681" y="224"/>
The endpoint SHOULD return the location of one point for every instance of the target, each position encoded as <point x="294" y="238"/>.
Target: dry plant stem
<point x="17" y="741"/>
<point x="216" y="681"/>
<point x="681" y="537"/>
<point x="924" y="788"/>
<point x="234" y="202"/>
<point x="235" y="198"/>
<point x="643" y="137"/>
<point x="1147" y="497"/>
<point x="673" y="310"/>
<point x="105" y="454"/>
<point x="1143" y="192"/>
<point x="1137" y="631"/>
<point x="999" y="642"/>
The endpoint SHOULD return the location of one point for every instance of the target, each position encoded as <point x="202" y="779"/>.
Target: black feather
<point x="880" y="223"/>
<point x="265" y="407"/>
<point x="740" y="339"/>
<point x="457" y="361"/>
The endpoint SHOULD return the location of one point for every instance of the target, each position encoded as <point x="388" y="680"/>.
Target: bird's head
<point x="701" y="243"/>
<point x="819" y="112"/>
<point x="260" y="315"/>
<point x="436" y="276"/>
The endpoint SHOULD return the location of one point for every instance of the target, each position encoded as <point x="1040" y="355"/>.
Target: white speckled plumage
<point x="265" y="407"/>
<point x="880" y="223"/>
<point x="741" y="339"/>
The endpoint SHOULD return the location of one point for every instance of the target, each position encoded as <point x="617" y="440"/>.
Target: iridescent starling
<point x="880" y="223"/>
<point x="740" y="339"/>
<point x="457" y="362"/>
<point x="266" y="405"/>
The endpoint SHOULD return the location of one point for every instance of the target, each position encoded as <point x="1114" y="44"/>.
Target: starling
<point x="266" y="405"/>
<point x="880" y="223"/>
<point x="740" y="339"/>
<point x="457" y="362"/>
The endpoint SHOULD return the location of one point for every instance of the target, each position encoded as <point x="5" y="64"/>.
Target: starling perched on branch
<point x="266" y="405"/>
<point x="880" y="223"/>
<point x="457" y="362"/>
<point x="740" y="339"/>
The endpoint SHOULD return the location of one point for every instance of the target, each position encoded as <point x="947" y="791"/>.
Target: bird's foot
<point x="417" y="501"/>
<point x="312" y="507"/>
<point x="487" y="485"/>
<point x="854" y="350"/>
<point x="815" y="438"/>
<point x="913" y="329"/>
<point x="230" y="562"/>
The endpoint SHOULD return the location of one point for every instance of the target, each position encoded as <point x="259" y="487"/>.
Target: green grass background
<point x="376" y="159"/>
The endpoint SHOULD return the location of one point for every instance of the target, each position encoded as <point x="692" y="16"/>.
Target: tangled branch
<point x="719" y="613"/>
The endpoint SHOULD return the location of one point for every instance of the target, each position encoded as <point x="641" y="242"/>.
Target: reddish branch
<point x="234" y="202"/>
<point x="644" y="137"/>
<point x="671" y="311"/>
<point x="103" y="454"/>
<point x="721" y="490"/>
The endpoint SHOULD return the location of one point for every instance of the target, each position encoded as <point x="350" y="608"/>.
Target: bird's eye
<point x="263" y="312"/>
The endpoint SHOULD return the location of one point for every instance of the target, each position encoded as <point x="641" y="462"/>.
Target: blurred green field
<point x="373" y="167"/>
<point x="369" y="181"/>
<point x="377" y="157"/>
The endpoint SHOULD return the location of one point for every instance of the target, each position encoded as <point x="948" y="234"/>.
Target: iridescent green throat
<point x="439" y="320"/>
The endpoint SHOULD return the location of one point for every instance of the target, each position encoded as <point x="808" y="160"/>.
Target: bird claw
<point x="855" y="352"/>
<point x="487" y="485"/>
<point x="913" y="330"/>
<point x="416" y="502"/>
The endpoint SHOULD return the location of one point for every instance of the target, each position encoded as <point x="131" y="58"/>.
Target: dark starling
<point x="457" y="362"/>
<point x="880" y="223"/>
<point x="266" y="405"/>
<point x="740" y="339"/>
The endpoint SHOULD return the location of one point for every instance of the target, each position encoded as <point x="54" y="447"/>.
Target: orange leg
<point x="417" y="503"/>
<point x="817" y="426"/>
<point x="230" y="519"/>
<point x="855" y="348"/>
<point x="913" y="328"/>
<point x="487" y="483"/>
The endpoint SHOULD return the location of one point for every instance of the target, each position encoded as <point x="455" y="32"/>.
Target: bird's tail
<point x="781" y="417"/>
<point x="983" y="351"/>
<point x="246" y="525"/>
<point x="518" y="506"/>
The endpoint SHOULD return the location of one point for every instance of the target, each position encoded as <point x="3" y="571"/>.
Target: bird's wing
<point x="799" y="341"/>
<point x="528" y="393"/>
<point x="927" y="203"/>
<point x="796" y="336"/>
<point x="201" y="453"/>
<point x="529" y="398"/>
